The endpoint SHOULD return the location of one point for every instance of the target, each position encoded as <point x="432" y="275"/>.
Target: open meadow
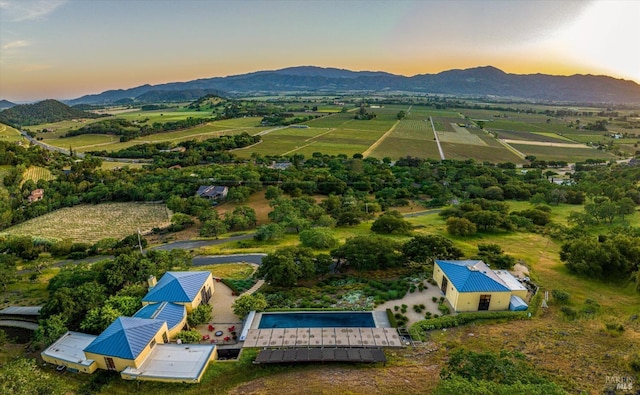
<point x="7" y="133"/>
<point x="90" y="223"/>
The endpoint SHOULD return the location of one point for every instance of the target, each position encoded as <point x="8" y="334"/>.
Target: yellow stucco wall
<point x="70" y="365"/>
<point x="468" y="301"/>
<point x="121" y="363"/>
<point x="208" y="284"/>
<point x="522" y="294"/>
<point x="176" y="329"/>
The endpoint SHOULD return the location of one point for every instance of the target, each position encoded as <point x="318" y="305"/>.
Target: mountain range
<point x="481" y="82"/>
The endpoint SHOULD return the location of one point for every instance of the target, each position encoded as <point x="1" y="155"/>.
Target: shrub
<point x="560" y="296"/>
<point x="444" y="309"/>
<point x="635" y="363"/>
<point x="569" y="312"/>
<point x="199" y="315"/>
<point x="449" y="321"/>
<point x="392" y="318"/>
<point x="434" y="299"/>
<point x="189" y="336"/>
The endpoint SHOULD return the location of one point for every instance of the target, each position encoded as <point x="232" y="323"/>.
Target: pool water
<point x="317" y="320"/>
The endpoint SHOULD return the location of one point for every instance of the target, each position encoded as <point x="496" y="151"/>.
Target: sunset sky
<point x="64" y="49"/>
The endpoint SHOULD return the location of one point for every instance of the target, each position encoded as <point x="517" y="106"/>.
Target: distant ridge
<point x="42" y="112"/>
<point x="4" y="104"/>
<point x="484" y="81"/>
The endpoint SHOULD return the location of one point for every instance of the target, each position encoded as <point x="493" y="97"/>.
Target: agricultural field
<point x="99" y="142"/>
<point x="35" y="173"/>
<point x="90" y="223"/>
<point x="557" y="152"/>
<point x="7" y="133"/>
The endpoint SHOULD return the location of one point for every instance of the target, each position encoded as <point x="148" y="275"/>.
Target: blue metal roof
<point x="177" y="287"/>
<point x="170" y="312"/>
<point x="125" y="338"/>
<point x="472" y="276"/>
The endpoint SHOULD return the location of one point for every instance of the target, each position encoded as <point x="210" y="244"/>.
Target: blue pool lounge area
<point x="317" y="320"/>
<point x="320" y="329"/>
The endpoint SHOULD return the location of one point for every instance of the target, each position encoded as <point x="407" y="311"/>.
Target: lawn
<point x="90" y="223"/>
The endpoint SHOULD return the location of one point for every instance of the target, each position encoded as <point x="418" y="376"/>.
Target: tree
<point x="426" y="249"/>
<point x="613" y="256"/>
<point x="50" y="329"/>
<point x="98" y="319"/>
<point x="485" y="219"/>
<point x="269" y="232"/>
<point x="23" y="377"/>
<point x="391" y="222"/>
<point x="199" y="315"/>
<point x="492" y="255"/>
<point x="368" y="253"/>
<point x="401" y="115"/>
<point x="239" y="194"/>
<point x="246" y="303"/>
<point x="285" y="266"/>
<point x="213" y="228"/>
<point x="318" y="238"/>
<point x="272" y="192"/>
<point x="125" y="305"/>
<point x="180" y="222"/>
<point x="460" y="227"/>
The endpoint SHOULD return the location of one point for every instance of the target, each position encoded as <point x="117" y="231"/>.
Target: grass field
<point x="98" y="142"/>
<point x="7" y="133"/>
<point x="92" y="223"/>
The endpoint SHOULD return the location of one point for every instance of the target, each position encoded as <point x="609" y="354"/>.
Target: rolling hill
<point x="475" y="82"/>
<point x="4" y="104"/>
<point x="42" y="112"/>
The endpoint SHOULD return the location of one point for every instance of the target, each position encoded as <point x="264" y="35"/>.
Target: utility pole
<point x="140" y="242"/>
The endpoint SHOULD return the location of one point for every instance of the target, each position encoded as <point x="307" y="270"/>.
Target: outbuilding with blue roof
<point x="189" y="289"/>
<point x="470" y="285"/>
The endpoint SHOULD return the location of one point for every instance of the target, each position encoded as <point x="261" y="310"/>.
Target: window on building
<point x="153" y="342"/>
<point x="165" y="339"/>
<point x="110" y="364"/>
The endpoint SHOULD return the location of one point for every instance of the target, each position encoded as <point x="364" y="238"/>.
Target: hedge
<point x="465" y="318"/>
<point x="392" y="318"/>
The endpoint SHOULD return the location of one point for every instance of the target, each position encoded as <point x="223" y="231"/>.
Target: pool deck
<point x="381" y="336"/>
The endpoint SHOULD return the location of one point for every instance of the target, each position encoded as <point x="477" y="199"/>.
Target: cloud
<point x="15" y="44"/>
<point x="26" y="10"/>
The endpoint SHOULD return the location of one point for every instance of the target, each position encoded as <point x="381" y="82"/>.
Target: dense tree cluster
<point x="129" y="130"/>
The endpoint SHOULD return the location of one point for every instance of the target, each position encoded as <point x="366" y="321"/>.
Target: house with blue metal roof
<point x="126" y="342"/>
<point x="138" y="347"/>
<point x="175" y="315"/>
<point x="471" y="285"/>
<point x="189" y="289"/>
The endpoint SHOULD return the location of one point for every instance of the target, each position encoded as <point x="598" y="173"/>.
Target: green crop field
<point x="36" y="173"/>
<point x="90" y="223"/>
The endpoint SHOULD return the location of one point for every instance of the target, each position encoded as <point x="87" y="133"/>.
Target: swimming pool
<point x="317" y="320"/>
